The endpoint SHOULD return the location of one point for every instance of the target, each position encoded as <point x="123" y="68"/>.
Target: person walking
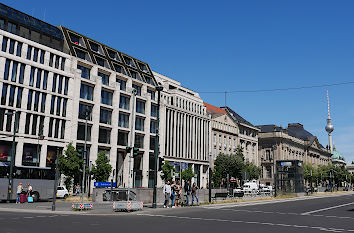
<point x="167" y="193"/>
<point x="18" y="192"/>
<point x="187" y="191"/>
<point x="173" y="194"/>
<point x="194" y="194"/>
<point x="78" y="190"/>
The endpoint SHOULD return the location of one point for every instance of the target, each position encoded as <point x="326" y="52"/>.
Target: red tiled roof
<point x="213" y="109"/>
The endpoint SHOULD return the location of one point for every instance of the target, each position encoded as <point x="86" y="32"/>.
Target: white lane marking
<point x="328" y="208"/>
<point x="41" y="216"/>
<point x="247" y="222"/>
<point x="28" y="217"/>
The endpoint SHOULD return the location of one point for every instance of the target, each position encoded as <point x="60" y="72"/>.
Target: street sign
<point x="104" y="184"/>
<point x="233" y="180"/>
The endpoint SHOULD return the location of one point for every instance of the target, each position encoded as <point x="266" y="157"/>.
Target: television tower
<point x="329" y="127"/>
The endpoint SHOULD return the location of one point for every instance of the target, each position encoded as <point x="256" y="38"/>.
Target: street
<point x="331" y="214"/>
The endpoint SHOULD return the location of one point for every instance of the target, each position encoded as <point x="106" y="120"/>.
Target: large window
<point x="85" y="72"/>
<point x="140" y="106"/>
<point x="106" y="97"/>
<point x="30" y="155"/>
<point x="81" y="132"/>
<point x="22" y="73"/>
<point x="86" y="92"/>
<point x="105" y="116"/>
<point x="139" y="123"/>
<point x="152" y="94"/>
<point x="139" y="141"/>
<point x="104" y="136"/>
<point x="82" y="110"/>
<point x="4" y="44"/>
<point x="269" y="172"/>
<point x="123" y="120"/>
<point x="153" y="110"/>
<point x="122" y="138"/>
<point x="153" y="126"/>
<point x="123" y="84"/>
<point x="7" y="68"/>
<point x="137" y="88"/>
<point x="124" y="102"/>
<point x="105" y="78"/>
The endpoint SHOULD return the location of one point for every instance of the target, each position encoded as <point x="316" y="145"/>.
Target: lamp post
<point x="157" y="139"/>
<point x="55" y="180"/>
<point x="134" y="93"/>
<point x="87" y="114"/>
<point x="210" y="176"/>
<point x="13" y="155"/>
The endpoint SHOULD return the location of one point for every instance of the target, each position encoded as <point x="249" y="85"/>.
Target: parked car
<point x="250" y="187"/>
<point x="62" y="192"/>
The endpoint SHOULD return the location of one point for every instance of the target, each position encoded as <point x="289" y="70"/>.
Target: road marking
<point x="28" y="217"/>
<point x="330" y="229"/>
<point x="329" y="208"/>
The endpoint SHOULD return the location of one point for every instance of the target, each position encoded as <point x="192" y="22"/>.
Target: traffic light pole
<point x="154" y="196"/>
<point x="55" y="181"/>
<point x="134" y="92"/>
<point x="13" y="155"/>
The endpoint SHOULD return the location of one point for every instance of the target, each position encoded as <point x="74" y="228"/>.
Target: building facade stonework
<point x="292" y="143"/>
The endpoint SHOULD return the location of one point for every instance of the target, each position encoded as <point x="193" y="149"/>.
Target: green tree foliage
<point x="102" y="169"/>
<point x="187" y="174"/>
<point x="70" y="165"/>
<point x="166" y="171"/>
<point x="252" y="170"/>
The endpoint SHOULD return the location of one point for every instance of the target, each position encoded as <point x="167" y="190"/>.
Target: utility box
<point x="289" y="176"/>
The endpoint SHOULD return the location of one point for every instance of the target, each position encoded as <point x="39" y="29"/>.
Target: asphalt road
<point x="330" y="214"/>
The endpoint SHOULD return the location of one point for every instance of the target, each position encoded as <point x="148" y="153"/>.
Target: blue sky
<point x="234" y="45"/>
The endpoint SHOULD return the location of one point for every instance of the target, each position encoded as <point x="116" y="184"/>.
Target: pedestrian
<point x="167" y="193"/>
<point x="78" y="189"/>
<point x="29" y="190"/>
<point x="187" y="191"/>
<point x="194" y="194"/>
<point x="173" y="194"/>
<point x="178" y="192"/>
<point x="18" y="192"/>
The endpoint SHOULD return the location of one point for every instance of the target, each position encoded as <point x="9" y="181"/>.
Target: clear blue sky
<point x="234" y="45"/>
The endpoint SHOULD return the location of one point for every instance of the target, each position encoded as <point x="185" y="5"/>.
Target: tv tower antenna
<point x="329" y="127"/>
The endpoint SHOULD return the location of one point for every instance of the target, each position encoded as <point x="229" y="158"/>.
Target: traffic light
<point x="135" y="152"/>
<point x="161" y="162"/>
<point x="128" y="149"/>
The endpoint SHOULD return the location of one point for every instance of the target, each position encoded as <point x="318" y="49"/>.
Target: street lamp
<point x="87" y="113"/>
<point x="134" y="93"/>
<point x="13" y="154"/>
<point x="210" y="177"/>
<point x="55" y="180"/>
<point x="158" y="89"/>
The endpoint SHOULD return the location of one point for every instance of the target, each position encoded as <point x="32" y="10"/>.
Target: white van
<point x="250" y="187"/>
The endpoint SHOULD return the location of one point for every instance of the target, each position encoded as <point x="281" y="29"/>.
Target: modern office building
<point x="185" y="129"/>
<point x="291" y="143"/>
<point x="51" y="75"/>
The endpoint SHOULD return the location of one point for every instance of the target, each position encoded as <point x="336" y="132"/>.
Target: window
<point x="11" y="28"/>
<point x="124" y="102"/>
<point x="36" y="101"/>
<point x="82" y="109"/>
<point x="129" y="61"/>
<point x="74" y="38"/>
<point x="54" y="85"/>
<point x="119" y="69"/>
<point x="62" y="131"/>
<point x="12" y="95"/>
<point x="123" y="84"/>
<point x="106" y="97"/>
<point x="29" y="100"/>
<point x="139" y="123"/>
<point x="29" y="52"/>
<point x="104" y="136"/>
<point x="41" y="57"/>
<point x="154" y="110"/>
<point x="85" y="72"/>
<point x="51" y="58"/>
<point x="105" y="116"/>
<point x="81" y="132"/>
<point x="100" y="61"/>
<point x="105" y="78"/>
<point x="14" y="71"/>
<point x="152" y="94"/>
<point x="86" y="92"/>
<point x="65" y="103"/>
<point x="34" y="125"/>
<point x="7" y="68"/>
<point x="28" y="121"/>
<point x="138" y="89"/>
<point x="45" y="80"/>
<point x="60" y="84"/>
<point x="19" y="49"/>
<point x="139" y="141"/>
<point x="57" y="62"/>
<point x="269" y="172"/>
<point x="140" y="106"/>
<point x="12" y="46"/>
<point x="22" y="73"/>
<point x="268" y="155"/>
<point x="94" y="46"/>
<point x="35" y="54"/>
<point x="38" y="81"/>
<point x="123" y="120"/>
<point x="19" y="97"/>
<point x="58" y="105"/>
<point x="52" y="104"/>
<point x="152" y="142"/>
<point x="44" y="97"/>
<point x="62" y="64"/>
<point x="80" y="54"/>
<point x="4" y="44"/>
<point x="122" y="138"/>
<point x="31" y="81"/>
<point x="56" y="128"/>
<point x="135" y="75"/>
<point x="66" y="85"/>
<point x="153" y="126"/>
<point x="2" y="24"/>
<point x="50" y="128"/>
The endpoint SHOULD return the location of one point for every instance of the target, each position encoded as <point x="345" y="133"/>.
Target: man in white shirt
<point x="29" y="190"/>
<point x="167" y="193"/>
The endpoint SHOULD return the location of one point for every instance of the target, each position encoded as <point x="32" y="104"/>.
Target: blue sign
<point x="184" y="166"/>
<point x="104" y="184"/>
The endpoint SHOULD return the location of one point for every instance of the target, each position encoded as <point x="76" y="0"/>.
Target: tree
<point x="102" y="170"/>
<point x="253" y="171"/>
<point x="187" y="174"/>
<point x="70" y="165"/>
<point x="167" y="169"/>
